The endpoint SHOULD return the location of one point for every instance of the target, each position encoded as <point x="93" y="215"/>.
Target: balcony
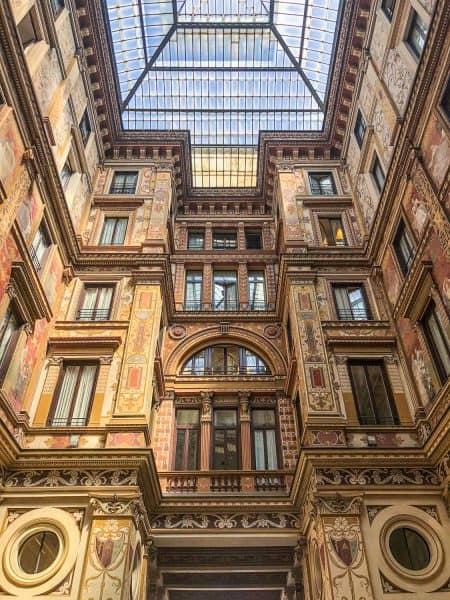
<point x="93" y="314"/>
<point x="228" y="307"/>
<point x="354" y="314"/>
<point x="226" y="482"/>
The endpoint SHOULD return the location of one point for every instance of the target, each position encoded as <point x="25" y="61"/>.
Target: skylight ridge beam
<point x="220" y="25"/>
<point x="298" y="67"/>
<point x="141" y="19"/>
<point x="271" y="11"/>
<point x="302" y="37"/>
<point x="148" y="66"/>
<point x="175" y="10"/>
<point x="190" y="69"/>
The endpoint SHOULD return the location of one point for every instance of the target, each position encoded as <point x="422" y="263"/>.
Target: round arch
<point x="235" y="335"/>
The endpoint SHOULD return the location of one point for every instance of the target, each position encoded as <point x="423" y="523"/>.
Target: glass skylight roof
<point x="224" y="70"/>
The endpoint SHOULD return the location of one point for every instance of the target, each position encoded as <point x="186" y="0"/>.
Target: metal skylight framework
<point x="224" y="70"/>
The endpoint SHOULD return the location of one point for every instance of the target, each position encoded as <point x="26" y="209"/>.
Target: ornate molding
<point x="227" y="521"/>
<point x="69" y="477"/>
<point x="373" y="476"/>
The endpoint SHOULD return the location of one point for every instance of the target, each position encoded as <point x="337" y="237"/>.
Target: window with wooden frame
<point x="256" y="290"/>
<point x="193" y="290"/>
<point x="322" y="184"/>
<point x="224" y="240"/>
<point x="225" y="360"/>
<point x="437" y="341"/>
<point x="28" y="29"/>
<point x="416" y="34"/>
<point x="73" y="395"/>
<point x="196" y="240"/>
<point x="225" y="290"/>
<point x="85" y="127"/>
<point x="66" y="173"/>
<point x="114" y="231"/>
<point x="96" y="301"/>
<point x="187" y="439"/>
<point x="360" y="128"/>
<point x="253" y="240"/>
<point x="332" y="231"/>
<point x="351" y="302"/>
<point x="124" y="182"/>
<point x="10" y="328"/>
<point x="225" y="439"/>
<point x="57" y="6"/>
<point x="40" y="247"/>
<point x="372" y="392"/>
<point x="403" y="247"/>
<point x="388" y="7"/>
<point x="378" y="175"/>
<point x="264" y="439"/>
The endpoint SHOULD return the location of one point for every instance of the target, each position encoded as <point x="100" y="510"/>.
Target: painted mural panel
<point x="436" y="150"/>
<point x="29" y="213"/>
<point x="391" y="278"/>
<point x="11" y="150"/>
<point x="47" y="79"/>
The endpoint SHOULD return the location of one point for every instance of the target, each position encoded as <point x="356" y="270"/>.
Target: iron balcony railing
<point x="354" y="314"/>
<point x="66" y="422"/>
<point x="93" y="314"/>
<point x="233" y="370"/>
<point x="126" y="188"/>
<point x="228" y="306"/>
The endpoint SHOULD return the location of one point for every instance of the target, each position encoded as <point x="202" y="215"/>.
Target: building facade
<point x="212" y="392"/>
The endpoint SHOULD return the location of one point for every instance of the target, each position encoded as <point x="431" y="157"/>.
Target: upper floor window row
<point x="224" y="240"/>
<point x="113" y="231"/>
<point x="388" y="7"/>
<point x="95" y="303"/>
<point x="403" y="248"/>
<point x="416" y="34"/>
<point x="445" y="100"/>
<point x="225" y="360"/>
<point x="40" y="247"/>
<point x="360" y="128"/>
<point x="332" y="231"/>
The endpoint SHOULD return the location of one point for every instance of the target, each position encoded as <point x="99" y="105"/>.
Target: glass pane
<point x="361" y="389"/>
<point x="192" y="449"/>
<point x="272" y="462"/>
<point x="380" y="395"/>
<point x="225" y="418"/>
<point x="8" y="327"/>
<point x="263" y="418"/>
<point x="409" y="548"/>
<point x="179" y="451"/>
<point x="187" y="417"/>
<point x="437" y="342"/>
<point x="260" y="462"/>
<point x="231" y="449"/>
<point x="38" y="552"/>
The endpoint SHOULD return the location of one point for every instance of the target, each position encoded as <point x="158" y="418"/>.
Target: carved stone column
<point x="207" y="293"/>
<point x="162" y="199"/>
<point x="243" y="285"/>
<point x="246" y="443"/>
<point x="205" y="430"/>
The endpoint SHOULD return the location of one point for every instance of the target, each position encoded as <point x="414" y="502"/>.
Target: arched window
<point x="225" y="360"/>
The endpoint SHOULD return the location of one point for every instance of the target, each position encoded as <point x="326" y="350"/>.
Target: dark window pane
<point x="85" y="127"/>
<point x="39" y="247"/>
<point x="360" y="128"/>
<point x="27" y="30"/>
<point x="57" y="6"/>
<point x="438" y="342"/>
<point x="445" y="100"/>
<point x="187" y="417"/>
<point x="224" y="241"/>
<point x="322" y="184"/>
<point x="372" y="393"/>
<point x="253" y="240"/>
<point x="332" y="231"/>
<point x="409" y="549"/>
<point x="388" y="7"/>
<point x="404" y="248"/>
<point x="179" y="452"/>
<point x="38" y="552"/>
<point x="417" y="34"/>
<point x="378" y="174"/>
<point x="124" y="182"/>
<point x="196" y="240"/>
<point x="361" y="389"/>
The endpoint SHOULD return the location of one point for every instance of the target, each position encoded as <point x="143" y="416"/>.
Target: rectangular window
<point x="225" y="290"/>
<point x="332" y="231"/>
<point x="96" y="303"/>
<point x="124" y="182"/>
<point x="372" y="393"/>
<point x="378" y="174"/>
<point x="264" y="439"/>
<point x="404" y="248"/>
<point x="66" y="173"/>
<point x="73" y="395"/>
<point x="187" y="440"/>
<point x="360" y="128"/>
<point x="224" y="240"/>
<point x="388" y="7"/>
<point x="27" y="30"/>
<point x="85" y="127"/>
<point x="57" y="6"/>
<point x="445" y="100"/>
<point x="417" y="34"/>
<point x="256" y="290"/>
<point x="39" y="247"/>
<point x="9" y="331"/>
<point x="437" y="341"/>
<point x="114" y="231"/>
<point x="351" y="302"/>
<point x="196" y="240"/>
<point x="322" y="184"/>
<point x="253" y="240"/>
<point x="225" y="439"/>
<point x="193" y="291"/>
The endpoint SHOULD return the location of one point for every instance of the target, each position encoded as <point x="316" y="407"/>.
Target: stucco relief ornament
<point x="177" y="332"/>
<point x="272" y="331"/>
